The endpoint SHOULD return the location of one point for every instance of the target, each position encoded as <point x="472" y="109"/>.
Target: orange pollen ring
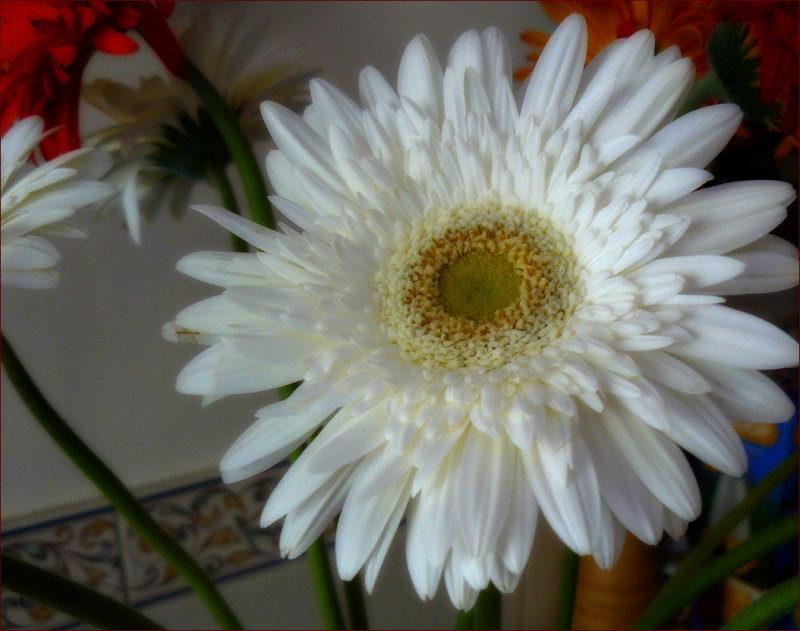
<point x="430" y="331"/>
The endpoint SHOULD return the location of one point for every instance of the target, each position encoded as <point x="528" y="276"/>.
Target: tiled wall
<point x="215" y="522"/>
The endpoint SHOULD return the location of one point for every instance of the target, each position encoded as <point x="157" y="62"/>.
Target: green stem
<point x="324" y="585"/>
<point x="763" y="541"/>
<point x="220" y="179"/>
<point x="768" y="608"/>
<point x="114" y="490"/>
<point x="566" y="596"/>
<point x="252" y="181"/>
<point x="321" y="574"/>
<point x="705" y="89"/>
<point x="70" y="597"/>
<point x="354" y="597"/>
<point x="487" y="609"/>
<point x="466" y="620"/>
<point x="705" y="549"/>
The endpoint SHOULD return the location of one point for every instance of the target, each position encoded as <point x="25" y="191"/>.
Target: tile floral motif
<point x="216" y="523"/>
<point x="84" y="548"/>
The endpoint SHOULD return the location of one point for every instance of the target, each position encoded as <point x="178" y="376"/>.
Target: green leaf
<point x="707" y="546"/>
<point x="762" y="542"/>
<point x="768" y="608"/>
<point x="730" y="52"/>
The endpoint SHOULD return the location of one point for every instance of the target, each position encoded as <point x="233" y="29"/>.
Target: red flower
<point x="45" y="46"/>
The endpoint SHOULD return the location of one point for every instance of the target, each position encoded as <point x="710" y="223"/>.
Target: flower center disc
<point x="477" y="286"/>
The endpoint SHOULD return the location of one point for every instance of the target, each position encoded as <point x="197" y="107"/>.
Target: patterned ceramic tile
<point x="216" y="523"/>
<point x="83" y="547"/>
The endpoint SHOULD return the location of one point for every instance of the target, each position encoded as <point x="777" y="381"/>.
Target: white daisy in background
<point x="158" y="155"/>
<point x="37" y="199"/>
<point x="497" y="309"/>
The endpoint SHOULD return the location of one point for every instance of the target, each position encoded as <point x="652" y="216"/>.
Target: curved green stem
<point x="487" y="610"/>
<point x="354" y="597"/>
<point x="566" y="597"/>
<point x="115" y="491"/>
<point x="70" y="597"/>
<point x="252" y="180"/>
<point x="324" y="585"/>
<point x="768" y="608"/>
<point x="466" y="620"/>
<point x="321" y="574"/>
<point x="760" y="543"/>
<point x="716" y="535"/>
<point x="220" y="179"/>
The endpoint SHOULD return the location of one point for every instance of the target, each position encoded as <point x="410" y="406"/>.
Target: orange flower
<point x="46" y="46"/>
<point x="684" y="24"/>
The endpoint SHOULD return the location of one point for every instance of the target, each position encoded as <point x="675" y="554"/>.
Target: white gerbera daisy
<point x="37" y="200"/>
<point x="156" y="166"/>
<point x="496" y="309"/>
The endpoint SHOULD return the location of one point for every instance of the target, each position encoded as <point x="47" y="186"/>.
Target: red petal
<point x="61" y="75"/>
<point x="110" y="41"/>
<point x="63" y="55"/>
<point x="14" y="10"/>
<point x="159" y="36"/>
<point x="15" y="37"/>
<point x="86" y="17"/>
<point x="124" y="17"/>
<point x="67" y="15"/>
<point x="165" y="7"/>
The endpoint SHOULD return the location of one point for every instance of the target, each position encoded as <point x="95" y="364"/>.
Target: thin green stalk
<point x="70" y="597"/>
<point x="250" y="173"/>
<point x="220" y="179"/>
<point x="354" y="597"/>
<point x="487" y="609"/>
<point x="115" y="491"/>
<point x="324" y="585"/>
<point x="765" y="540"/>
<point x="466" y="620"/>
<point x="566" y="596"/>
<point x="705" y="549"/>
<point x="702" y="92"/>
<point x="768" y="608"/>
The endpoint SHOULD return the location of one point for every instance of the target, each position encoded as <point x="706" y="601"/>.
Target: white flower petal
<point x="361" y="524"/>
<point x="702" y="429"/>
<point x="748" y="210"/>
<point x="469" y="410"/>
<point x="220" y="369"/>
<point x="420" y="76"/>
<point x="574" y="511"/>
<point x="648" y="107"/>
<point x="746" y="395"/>
<point x="306" y="523"/>
<point x="770" y="264"/>
<point x="268" y="441"/>
<point x="657" y="461"/>
<point x="483" y="488"/>
<point x="692" y="140"/>
<point x="554" y="81"/>
<point x="724" y="335"/>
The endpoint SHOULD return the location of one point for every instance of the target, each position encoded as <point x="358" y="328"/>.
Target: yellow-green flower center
<point x="478" y="285"/>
